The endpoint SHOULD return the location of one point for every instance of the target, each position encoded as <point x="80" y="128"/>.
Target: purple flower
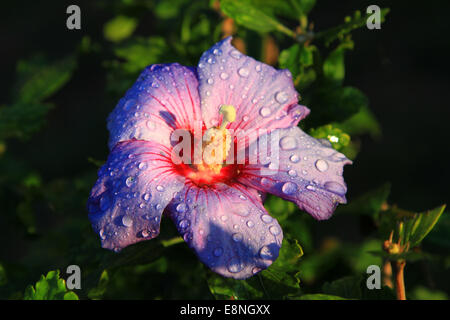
<point x="217" y="205"/>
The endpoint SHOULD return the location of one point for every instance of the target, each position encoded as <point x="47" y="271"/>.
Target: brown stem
<point x="387" y="274"/>
<point x="400" y="281"/>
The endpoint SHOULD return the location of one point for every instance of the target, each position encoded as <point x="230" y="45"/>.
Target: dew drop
<point x="183" y="224"/>
<point x="146" y="196"/>
<point x="321" y="165"/>
<point x="292" y="173"/>
<point x="265" y="253"/>
<point x="289" y="188"/>
<point x="129" y="181"/>
<point x="235" y="54"/>
<point x="224" y="76"/>
<point x="265" y="112"/>
<point x="142" y="165"/>
<point x="237" y="237"/>
<point x="266" y="218"/>
<point x="281" y="97"/>
<point x="160" y="188"/>
<point x="294" y="158"/>
<point x="127" y="221"/>
<point x="210" y="81"/>
<point x="181" y="207"/>
<point x="243" y="72"/>
<point x="234" y="265"/>
<point x="250" y="224"/>
<point x="288" y="143"/>
<point x="274" y="230"/>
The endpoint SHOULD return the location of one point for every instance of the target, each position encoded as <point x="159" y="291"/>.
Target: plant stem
<point x="399" y="280"/>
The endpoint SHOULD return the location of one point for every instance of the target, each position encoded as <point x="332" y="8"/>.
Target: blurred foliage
<point x="47" y="219"/>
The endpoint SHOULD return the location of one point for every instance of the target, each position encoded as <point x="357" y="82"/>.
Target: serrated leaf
<point x="417" y="229"/>
<point x="119" y="28"/>
<point x="49" y="287"/>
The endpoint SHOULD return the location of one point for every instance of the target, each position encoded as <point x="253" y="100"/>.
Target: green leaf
<point x="297" y="58"/>
<point x="141" y="52"/>
<point x="417" y="228"/>
<point x="333" y="66"/>
<point x="245" y="12"/>
<point x="22" y="119"/>
<point x="38" y="79"/>
<point x="276" y="282"/>
<point x="290" y="59"/>
<point x="335" y="136"/>
<point x="361" y="122"/>
<point x="49" y="287"/>
<point x="119" y="28"/>
<point x="355" y="287"/>
<point x="334" y="103"/>
<point x="317" y="296"/>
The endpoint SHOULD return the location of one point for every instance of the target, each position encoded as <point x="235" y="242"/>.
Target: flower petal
<point x="164" y="98"/>
<point x="308" y="171"/>
<point x="228" y="228"/>
<point x="263" y="96"/>
<point x="132" y="190"/>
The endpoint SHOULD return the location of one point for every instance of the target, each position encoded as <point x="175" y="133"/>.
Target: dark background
<point x="402" y="68"/>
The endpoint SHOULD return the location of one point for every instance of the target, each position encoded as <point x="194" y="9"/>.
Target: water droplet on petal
<point x="129" y="181"/>
<point x="292" y="173"/>
<point x="237" y="237"/>
<point x="321" y="165"/>
<point x="127" y="221"/>
<point x="224" y="76"/>
<point x="281" y="97"/>
<point x="258" y="68"/>
<point x="210" y="81"/>
<point x="160" y="188"/>
<point x="183" y="224"/>
<point x="243" y="72"/>
<point x="266" y="218"/>
<point x="265" y="112"/>
<point x="142" y="165"/>
<point x="235" y="54"/>
<point x="181" y="207"/>
<point x="274" y="230"/>
<point x="250" y="224"/>
<point x="265" y="253"/>
<point x="255" y="270"/>
<point x="289" y="188"/>
<point x="234" y="265"/>
<point x="294" y="158"/>
<point x="146" y="196"/>
<point x="288" y="143"/>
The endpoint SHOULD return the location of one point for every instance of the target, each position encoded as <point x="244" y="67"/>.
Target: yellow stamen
<point x="229" y="115"/>
<point x="217" y="141"/>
